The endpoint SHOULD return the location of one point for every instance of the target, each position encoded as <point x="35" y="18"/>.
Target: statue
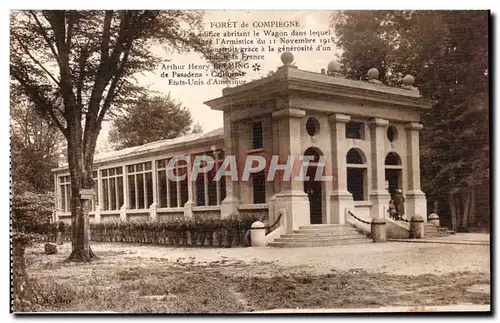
<point x="399" y="201"/>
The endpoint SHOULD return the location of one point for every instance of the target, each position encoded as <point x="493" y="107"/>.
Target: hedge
<point x="214" y="233"/>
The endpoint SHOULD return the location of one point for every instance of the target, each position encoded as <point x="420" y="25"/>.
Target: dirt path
<point x="133" y="278"/>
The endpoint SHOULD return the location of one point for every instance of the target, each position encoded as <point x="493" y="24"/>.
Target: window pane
<point x="131" y="192"/>
<point x="173" y="192"/>
<point x="96" y="197"/>
<point x="138" y="167"/>
<point x="147" y="166"/>
<point x="63" y="198"/>
<point x="354" y="130"/>
<point x="162" y="188"/>
<point x="104" y="172"/>
<point x="140" y="191"/>
<point x="112" y="188"/>
<point x="259" y="187"/>
<point x="212" y="188"/>
<point x="355" y="183"/>
<point x="222" y="188"/>
<point x="119" y="187"/>
<point x="105" y="189"/>
<point x="160" y="164"/>
<point x="354" y="157"/>
<point x="130" y="168"/>
<point x="118" y="170"/>
<point x="184" y="187"/>
<point x="257" y="134"/>
<point x="200" y="190"/>
<point x="111" y="172"/>
<point x="149" y="186"/>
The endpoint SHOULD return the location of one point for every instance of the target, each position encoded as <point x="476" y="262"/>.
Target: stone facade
<point x="365" y="133"/>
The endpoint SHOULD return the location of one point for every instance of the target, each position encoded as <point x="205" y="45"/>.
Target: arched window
<point x="355" y="156"/>
<point x="393" y="159"/>
<point x="356" y="174"/>
<point x="314" y="152"/>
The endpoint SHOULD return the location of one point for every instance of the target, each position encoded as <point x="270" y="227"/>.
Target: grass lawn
<point x="126" y="281"/>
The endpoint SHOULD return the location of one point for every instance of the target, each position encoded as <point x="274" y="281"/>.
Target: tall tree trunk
<point x="453" y="210"/>
<point x="466" y="200"/>
<point x="81" y="178"/>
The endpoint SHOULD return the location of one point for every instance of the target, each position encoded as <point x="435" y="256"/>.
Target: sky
<point x="193" y="96"/>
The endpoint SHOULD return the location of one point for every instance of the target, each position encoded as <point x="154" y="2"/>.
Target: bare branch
<point x="44" y="34"/>
<point x="73" y="18"/>
<point x="26" y="50"/>
<point x="105" y="35"/>
<point x="33" y="92"/>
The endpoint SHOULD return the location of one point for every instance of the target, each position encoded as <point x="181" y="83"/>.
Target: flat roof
<point x="292" y="78"/>
<point x="156" y="146"/>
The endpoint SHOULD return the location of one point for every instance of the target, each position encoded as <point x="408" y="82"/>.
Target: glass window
<point x="259" y="187"/>
<point x="257" y="135"/>
<point x="354" y="130"/>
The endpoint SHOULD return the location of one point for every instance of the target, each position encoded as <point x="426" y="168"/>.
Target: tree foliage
<point x="447" y="51"/>
<point x="164" y="117"/>
<point x="35" y="147"/>
<point x="76" y="66"/>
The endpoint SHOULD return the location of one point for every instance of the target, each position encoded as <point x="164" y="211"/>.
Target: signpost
<point x="87" y="194"/>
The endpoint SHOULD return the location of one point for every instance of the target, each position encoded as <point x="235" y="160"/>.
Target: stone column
<point x="123" y="208"/>
<point x="379" y="195"/>
<point x="188" y="206"/>
<point x="340" y="197"/>
<point x="56" y="199"/>
<point x="276" y="184"/>
<point x="291" y="197"/>
<point x="415" y="199"/>
<point x="230" y="204"/>
<point x="152" y="208"/>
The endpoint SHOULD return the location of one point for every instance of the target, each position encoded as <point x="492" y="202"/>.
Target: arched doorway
<point x="393" y="172"/>
<point x="357" y="174"/>
<point x="312" y="187"/>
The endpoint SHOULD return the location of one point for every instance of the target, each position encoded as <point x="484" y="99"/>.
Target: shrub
<point x="223" y="233"/>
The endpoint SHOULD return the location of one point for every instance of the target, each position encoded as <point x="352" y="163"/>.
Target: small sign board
<point x="87" y="194"/>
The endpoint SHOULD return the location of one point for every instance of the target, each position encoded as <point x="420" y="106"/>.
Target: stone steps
<point x="327" y="231"/>
<point x="320" y="235"/>
<point x="431" y="231"/>
<point x="319" y="243"/>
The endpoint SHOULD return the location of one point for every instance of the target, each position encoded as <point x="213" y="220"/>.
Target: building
<point x="363" y="135"/>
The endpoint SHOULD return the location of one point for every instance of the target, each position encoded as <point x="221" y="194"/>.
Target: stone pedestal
<point x="378" y="229"/>
<point x="123" y="213"/>
<point x="339" y="202"/>
<point x="416" y="203"/>
<point x="153" y="216"/>
<point x="97" y="214"/>
<point x="416" y="227"/>
<point x="434" y="219"/>
<point x="188" y="210"/>
<point x="258" y="234"/>
<point x="296" y="206"/>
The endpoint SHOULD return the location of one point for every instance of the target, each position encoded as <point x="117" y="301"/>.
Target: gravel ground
<point x="390" y="257"/>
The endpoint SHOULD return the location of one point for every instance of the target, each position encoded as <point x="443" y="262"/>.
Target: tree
<point x="447" y="51"/>
<point x="75" y="66"/>
<point x="197" y="128"/>
<point x="35" y="148"/>
<point x="165" y="119"/>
